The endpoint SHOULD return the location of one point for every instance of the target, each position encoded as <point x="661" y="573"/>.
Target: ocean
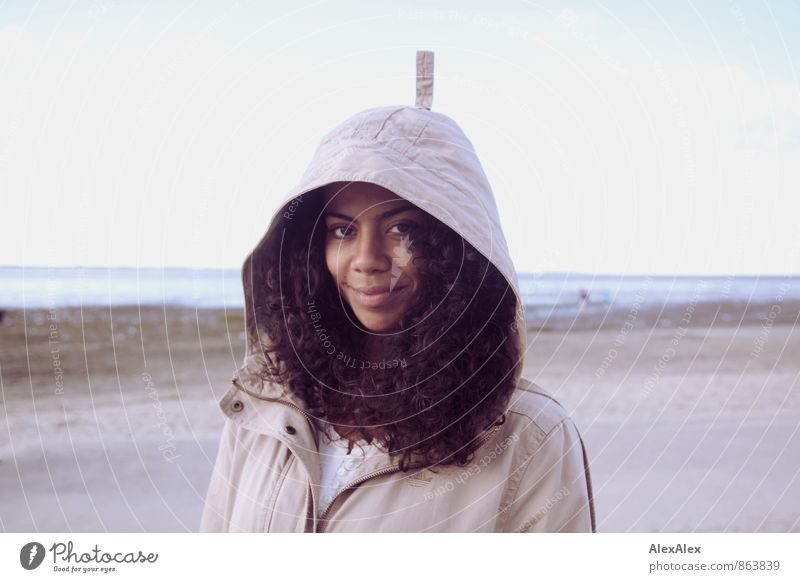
<point x="549" y="297"/>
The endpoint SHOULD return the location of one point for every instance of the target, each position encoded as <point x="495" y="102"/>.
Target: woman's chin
<point x="377" y="325"/>
<point x="375" y="320"/>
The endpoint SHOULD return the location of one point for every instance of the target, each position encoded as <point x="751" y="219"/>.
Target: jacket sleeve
<point x="555" y="490"/>
<point x="217" y="508"/>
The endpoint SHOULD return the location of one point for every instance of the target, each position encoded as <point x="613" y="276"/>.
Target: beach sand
<point x="110" y="420"/>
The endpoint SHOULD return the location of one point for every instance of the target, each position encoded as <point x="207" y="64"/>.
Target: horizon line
<point x="519" y="273"/>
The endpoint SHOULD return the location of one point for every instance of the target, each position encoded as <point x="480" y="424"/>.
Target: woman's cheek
<point x="331" y="261"/>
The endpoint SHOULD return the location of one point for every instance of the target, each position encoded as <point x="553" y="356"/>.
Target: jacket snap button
<point x="237" y="406"/>
<point x="290" y="429"/>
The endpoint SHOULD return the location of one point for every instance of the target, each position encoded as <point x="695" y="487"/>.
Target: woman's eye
<point x="334" y="230"/>
<point x="404" y="227"/>
<point x="344" y="231"/>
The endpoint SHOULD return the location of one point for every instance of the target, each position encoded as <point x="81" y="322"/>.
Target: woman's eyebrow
<point x="382" y="216"/>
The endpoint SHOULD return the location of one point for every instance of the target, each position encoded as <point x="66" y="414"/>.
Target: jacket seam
<point x="590" y="492"/>
<point x="528" y="462"/>
<point x="543" y="430"/>
<point x="390" y="145"/>
<point x="276" y="493"/>
<point x="385" y="119"/>
<point x="416" y="137"/>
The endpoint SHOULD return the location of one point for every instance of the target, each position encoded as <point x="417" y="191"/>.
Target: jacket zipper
<point x="287" y="403"/>
<point x="384" y="471"/>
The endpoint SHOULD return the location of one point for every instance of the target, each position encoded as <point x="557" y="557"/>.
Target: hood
<point x="420" y="155"/>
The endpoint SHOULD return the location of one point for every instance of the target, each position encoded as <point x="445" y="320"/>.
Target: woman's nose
<point x="370" y="255"/>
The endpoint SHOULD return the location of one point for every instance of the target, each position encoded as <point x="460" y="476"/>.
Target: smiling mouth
<point x="376" y="300"/>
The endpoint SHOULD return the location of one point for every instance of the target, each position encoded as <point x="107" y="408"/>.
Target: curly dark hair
<point x="458" y="345"/>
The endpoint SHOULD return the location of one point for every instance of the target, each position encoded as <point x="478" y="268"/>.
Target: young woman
<point x="382" y="386"/>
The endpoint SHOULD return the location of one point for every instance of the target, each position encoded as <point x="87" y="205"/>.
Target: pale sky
<point x="619" y="137"/>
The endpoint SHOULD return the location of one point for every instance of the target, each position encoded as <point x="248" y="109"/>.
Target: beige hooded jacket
<point x="531" y="473"/>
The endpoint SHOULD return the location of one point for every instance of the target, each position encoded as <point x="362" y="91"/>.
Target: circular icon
<point x="31" y="555"/>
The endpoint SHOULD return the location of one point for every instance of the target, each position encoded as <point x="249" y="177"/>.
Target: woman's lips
<point x="376" y="300"/>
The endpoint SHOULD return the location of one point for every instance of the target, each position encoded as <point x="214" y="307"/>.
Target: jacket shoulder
<point x="530" y="403"/>
<point x="550" y="487"/>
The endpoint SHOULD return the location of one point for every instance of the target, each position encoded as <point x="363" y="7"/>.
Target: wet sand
<point x="110" y="423"/>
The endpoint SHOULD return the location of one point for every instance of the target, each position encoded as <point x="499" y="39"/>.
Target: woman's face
<point x="369" y="230"/>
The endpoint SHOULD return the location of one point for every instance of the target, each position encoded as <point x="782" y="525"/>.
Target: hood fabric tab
<point x="424" y="79"/>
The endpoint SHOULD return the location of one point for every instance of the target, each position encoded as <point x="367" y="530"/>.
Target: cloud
<point x="775" y="131"/>
<point x="16" y="42"/>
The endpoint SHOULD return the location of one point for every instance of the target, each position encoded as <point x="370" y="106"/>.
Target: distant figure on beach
<point x="583" y="300"/>
<point x="2" y="315"/>
<point x="384" y="353"/>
